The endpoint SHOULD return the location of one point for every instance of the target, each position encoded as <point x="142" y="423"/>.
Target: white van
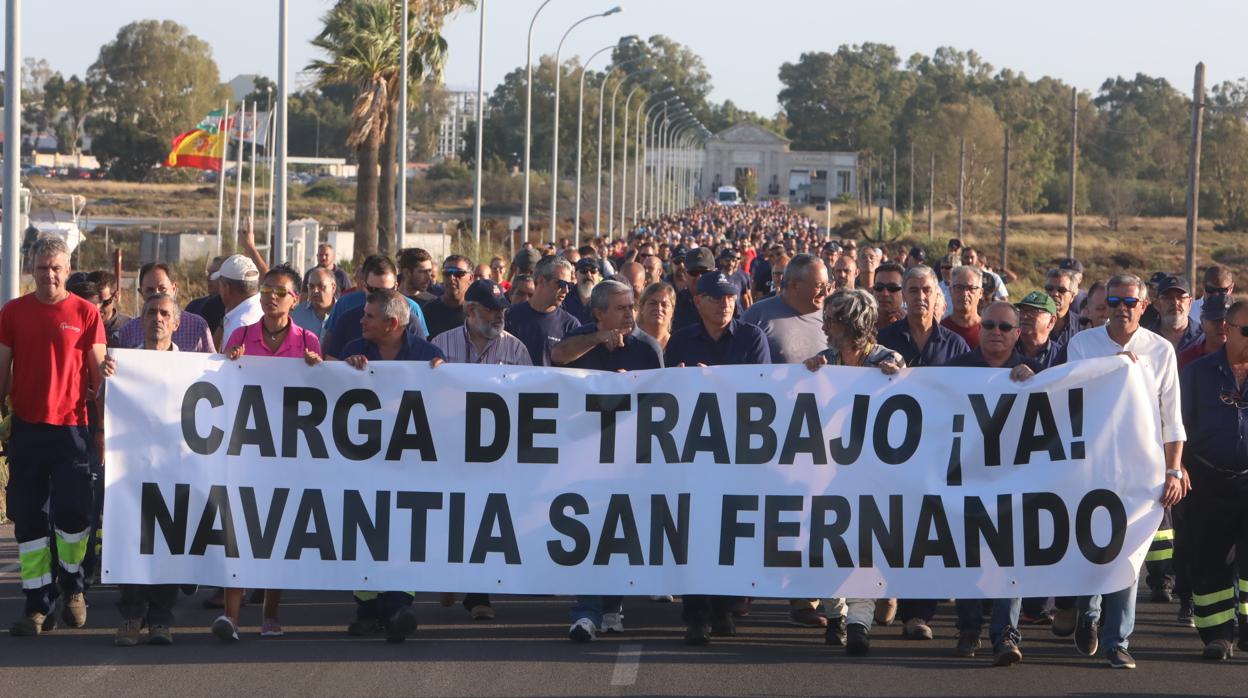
<point x="728" y="196"/>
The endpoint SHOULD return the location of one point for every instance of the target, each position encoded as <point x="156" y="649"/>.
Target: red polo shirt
<point x="50" y="343"/>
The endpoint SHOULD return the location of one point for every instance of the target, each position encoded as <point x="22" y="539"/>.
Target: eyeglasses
<point x="1049" y="289"/>
<point x="1234" y="399"/>
<point x="991" y="325"/>
<point x="279" y="291"/>
<point x="890" y="288"/>
<point x="964" y="288"/>
<point x="1115" y="301"/>
<point x="1243" y="329"/>
<point x="457" y="273"/>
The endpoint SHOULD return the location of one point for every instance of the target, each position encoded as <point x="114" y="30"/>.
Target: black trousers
<point x="1217" y="529"/>
<point x="150" y="602"/>
<point x="705" y="608"/>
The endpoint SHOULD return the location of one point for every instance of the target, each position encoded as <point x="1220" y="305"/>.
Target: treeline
<point x="1132" y="144"/>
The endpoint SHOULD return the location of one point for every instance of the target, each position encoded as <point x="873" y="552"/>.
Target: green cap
<point x="1038" y="300"/>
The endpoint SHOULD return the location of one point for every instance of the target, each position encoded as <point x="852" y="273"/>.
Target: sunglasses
<point x="1243" y="329"/>
<point x="991" y="325"/>
<point x="279" y="291"/>
<point x="564" y="285"/>
<point x="1056" y="289"/>
<point x="457" y="273"/>
<point x="1235" y="400"/>
<point x="107" y="301"/>
<point x="891" y="288"/>
<point x="1214" y="290"/>
<point x="1115" y="301"/>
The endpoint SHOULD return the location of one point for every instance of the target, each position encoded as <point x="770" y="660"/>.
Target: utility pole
<point x="1074" y="167"/>
<point x="892" y="215"/>
<point x="1193" y="170"/>
<point x="931" y="198"/>
<point x="870" y="185"/>
<point x="1005" y="197"/>
<point x="961" y="182"/>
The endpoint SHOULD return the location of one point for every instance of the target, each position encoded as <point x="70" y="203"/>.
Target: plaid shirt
<point x="192" y="334"/>
<point x="504" y="349"/>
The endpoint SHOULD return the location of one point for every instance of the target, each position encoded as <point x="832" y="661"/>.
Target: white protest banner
<point x="746" y="480"/>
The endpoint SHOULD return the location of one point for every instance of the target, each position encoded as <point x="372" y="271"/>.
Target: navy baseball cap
<point x="1157" y="278"/>
<point x="1214" y="306"/>
<point x="487" y="293"/>
<point x="716" y="286"/>
<point x="587" y="264"/>
<point x="1171" y="283"/>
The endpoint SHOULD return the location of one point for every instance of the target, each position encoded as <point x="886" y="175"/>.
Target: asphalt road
<point x="525" y="652"/>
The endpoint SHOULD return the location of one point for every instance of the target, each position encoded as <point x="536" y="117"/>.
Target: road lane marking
<point x="627" y="662"/>
<point x="9" y="568"/>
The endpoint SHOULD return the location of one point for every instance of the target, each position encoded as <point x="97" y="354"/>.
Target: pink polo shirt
<point x="296" y="342"/>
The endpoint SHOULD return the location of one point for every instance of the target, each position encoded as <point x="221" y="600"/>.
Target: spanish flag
<point x="197" y="148"/>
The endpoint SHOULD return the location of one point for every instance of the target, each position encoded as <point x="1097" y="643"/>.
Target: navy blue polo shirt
<point x="942" y="345"/>
<point x="635" y="355"/>
<point x="539" y="332"/>
<point x="741" y="343"/>
<point x="348" y="330"/>
<point x="975" y="359"/>
<point x="1050" y="354"/>
<point x="1193" y="335"/>
<point x="1216" y="452"/>
<point x="413" y="349"/>
<point x="576" y="308"/>
<point x="686" y="313"/>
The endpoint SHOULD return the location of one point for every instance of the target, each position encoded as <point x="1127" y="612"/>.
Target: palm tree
<point x="362" y="42"/>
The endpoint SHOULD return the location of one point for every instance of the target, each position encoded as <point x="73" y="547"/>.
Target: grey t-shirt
<point x="792" y="337"/>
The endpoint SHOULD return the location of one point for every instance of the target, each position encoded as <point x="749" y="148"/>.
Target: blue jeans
<point x="592" y="608"/>
<point x="1004" y="618"/>
<point x="1118" y="612"/>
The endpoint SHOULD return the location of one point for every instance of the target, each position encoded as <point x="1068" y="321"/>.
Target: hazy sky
<point x="743" y="42"/>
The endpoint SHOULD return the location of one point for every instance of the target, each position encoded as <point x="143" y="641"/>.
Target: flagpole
<point x="11" y="244"/>
<point x="255" y="115"/>
<point x="268" y="148"/>
<point x="283" y="91"/>
<point x="238" y="171"/>
<point x="225" y="151"/>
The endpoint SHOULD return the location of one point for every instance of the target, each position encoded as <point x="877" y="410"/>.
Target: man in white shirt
<point x="1127" y="297"/>
<point x="240" y="292"/>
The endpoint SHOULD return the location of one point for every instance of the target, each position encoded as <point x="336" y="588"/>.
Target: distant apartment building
<point x="461" y="114"/>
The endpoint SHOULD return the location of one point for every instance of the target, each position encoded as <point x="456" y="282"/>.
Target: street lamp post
<point x="554" y="147"/>
<point x="400" y="199"/>
<point x="528" y="119"/>
<point x="580" y="119"/>
<point x="476" y="186"/>
<point x="280" y="184"/>
<point x="648" y="146"/>
<point x="12" y="151"/>
<point x="602" y="110"/>
<point x="624" y="165"/>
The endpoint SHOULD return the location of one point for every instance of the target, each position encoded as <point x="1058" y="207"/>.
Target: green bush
<point x="328" y="190"/>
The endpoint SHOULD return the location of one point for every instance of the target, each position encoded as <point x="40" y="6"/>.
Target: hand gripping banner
<point x="746" y="480"/>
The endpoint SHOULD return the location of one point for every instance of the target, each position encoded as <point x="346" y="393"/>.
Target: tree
<point x="77" y="99"/>
<point x="154" y="81"/>
<point x="362" y="42"/>
<point x="671" y="64"/>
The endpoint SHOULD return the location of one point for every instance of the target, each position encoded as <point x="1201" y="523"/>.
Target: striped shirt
<point x="503" y="349"/>
<point x="192" y="334"/>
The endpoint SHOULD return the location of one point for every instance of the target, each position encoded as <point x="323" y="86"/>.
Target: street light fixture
<point x="611" y="192"/>
<point x="624" y="167"/>
<point x="554" y="151"/>
<point x="580" y="118"/>
<point x="602" y="110"/>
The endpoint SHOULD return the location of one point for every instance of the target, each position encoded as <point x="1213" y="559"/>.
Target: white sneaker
<point x="662" y="598"/>
<point x="612" y="623"/>
<point x="582" y="630"/>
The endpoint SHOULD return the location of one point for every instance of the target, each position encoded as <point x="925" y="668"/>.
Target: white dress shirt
<point x="1156" y="357"/>
<point x="246" y="313"/>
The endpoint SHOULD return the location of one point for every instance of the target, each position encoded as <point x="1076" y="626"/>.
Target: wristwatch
<point x="1176" y="474"/>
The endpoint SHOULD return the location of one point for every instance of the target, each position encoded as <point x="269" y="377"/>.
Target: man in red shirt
<point x="47" y="338"/>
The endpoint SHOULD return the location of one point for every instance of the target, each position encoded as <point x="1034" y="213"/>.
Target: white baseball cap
<point x="237" y="267"/>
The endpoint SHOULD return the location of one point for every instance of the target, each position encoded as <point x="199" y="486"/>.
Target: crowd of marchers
<point x="708" y="286"/>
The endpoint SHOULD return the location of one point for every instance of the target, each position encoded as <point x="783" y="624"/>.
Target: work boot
<point x="697" y="634"/>
<point x="160" y="635"/>
<point x="916" y="629"/>
<point x="74" y="612"/>
<point x="1161" y="595"/>
<point x="857" y="640"/>
<point x="28" y="626"/>
<point x="1186" y="616"/>
<point x="968" y="643"/>
<point x="402" y="624"/>
<point x="362" y="627"/>
<point x="128" y="633"/>
<point x="1218" y="650"/>
<point x="835" y="633"/>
